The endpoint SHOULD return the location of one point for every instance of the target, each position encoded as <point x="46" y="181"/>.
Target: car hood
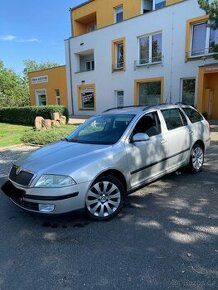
<point x="54" y="155"/>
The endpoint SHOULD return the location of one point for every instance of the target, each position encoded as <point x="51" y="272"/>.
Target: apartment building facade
<point x="48" y="86"/>
<point x="125" y="52"/>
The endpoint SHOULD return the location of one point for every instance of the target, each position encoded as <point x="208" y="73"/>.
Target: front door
<point x="146" y="159"/>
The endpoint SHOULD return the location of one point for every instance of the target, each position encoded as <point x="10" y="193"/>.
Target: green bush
<point x="47" y="136"/>
<point x="27" y="115"/>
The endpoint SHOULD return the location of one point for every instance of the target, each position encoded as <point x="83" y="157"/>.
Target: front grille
<point x="21" y="177"/>
<point x="11" y="191"/>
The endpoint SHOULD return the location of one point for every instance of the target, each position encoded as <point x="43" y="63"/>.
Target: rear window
<point x="193" y="115"/>
<point x="173" y="118"/>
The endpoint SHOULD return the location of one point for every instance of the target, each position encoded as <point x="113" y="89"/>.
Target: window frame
<point x="207" y="47"/>
<point x="181" y="89"/>
<point x="117" y="96"/>
<point x="118" y="10"/>
<point x="115" y="44"/>
<point x="150" y="49"/>
<point x="87" y="87"/>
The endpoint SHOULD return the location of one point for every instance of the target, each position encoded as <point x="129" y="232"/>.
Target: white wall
<point x="171" y="21"/>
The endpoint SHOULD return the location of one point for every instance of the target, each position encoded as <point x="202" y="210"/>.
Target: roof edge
<point x="80" y="5"/>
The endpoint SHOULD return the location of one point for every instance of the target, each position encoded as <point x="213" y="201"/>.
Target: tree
<point x="32" y="65"/>
<point x="13" y="90"/>
<point x="211" y="9"/>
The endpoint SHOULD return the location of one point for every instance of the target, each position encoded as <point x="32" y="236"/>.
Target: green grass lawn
<point x="11" y="134"/>
<point x="17" y="134"/>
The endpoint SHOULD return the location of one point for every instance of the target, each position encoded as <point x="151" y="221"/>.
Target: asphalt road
<point x="165" y="238"/>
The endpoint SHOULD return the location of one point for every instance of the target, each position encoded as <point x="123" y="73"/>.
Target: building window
<point x="119" y="98"/>
<point x="41" y="97"/>
<point x="150" y="49"/>
<point x="118" y="14"/>
<point x="118" y="54"/>
<point x="149" y="93"/>
<point x="188" y="91"/>
<point x="90" y="65"/>
<point x="57" y="96"/>
<point x="204" y="39"/>
<point x="158" y="4"/>
<point x="86" y="95"/>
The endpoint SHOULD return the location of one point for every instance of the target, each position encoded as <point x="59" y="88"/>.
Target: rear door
<point x="178" y="137"/>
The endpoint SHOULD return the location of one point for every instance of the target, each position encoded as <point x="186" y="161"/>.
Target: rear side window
<point x="173" y="118"/>
<point x="193" y="115"/>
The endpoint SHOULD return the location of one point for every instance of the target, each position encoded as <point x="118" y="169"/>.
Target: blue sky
<point x="34" y="29"/>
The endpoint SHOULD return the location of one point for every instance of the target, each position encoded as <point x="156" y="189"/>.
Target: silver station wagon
<point x="109" y="156"/>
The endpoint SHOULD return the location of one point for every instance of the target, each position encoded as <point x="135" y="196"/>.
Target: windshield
<point x="105" y="129"/>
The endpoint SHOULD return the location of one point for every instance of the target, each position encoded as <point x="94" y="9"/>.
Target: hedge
<point x="27" y="115"/>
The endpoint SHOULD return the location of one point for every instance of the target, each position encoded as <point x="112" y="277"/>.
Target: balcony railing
<point x="201" y="53"/>
<point x="84" y="70"/>
<point x="148" y="61"/>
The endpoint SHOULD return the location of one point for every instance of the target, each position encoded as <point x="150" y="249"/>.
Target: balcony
<point x="201" y="54"/>
<point x="85" y="24"/>
<point x="85" y="61"/>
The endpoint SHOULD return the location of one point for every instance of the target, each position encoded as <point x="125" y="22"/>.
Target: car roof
<point x="138" y="109"/>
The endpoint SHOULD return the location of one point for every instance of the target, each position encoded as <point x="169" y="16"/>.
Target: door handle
<point x="190" y="132"/>
<point x="163" y="141"/>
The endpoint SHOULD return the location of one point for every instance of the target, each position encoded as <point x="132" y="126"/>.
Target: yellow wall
<point x="207" y="82"/>
<point x="56" y="80"/>
<point x="171" y="2"/>
<point x="104" y="13"/>
<point x="104" y="10"/>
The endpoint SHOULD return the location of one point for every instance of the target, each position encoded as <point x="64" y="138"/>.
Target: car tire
<point x="196" y="158"/>
<point x="105" y="198"/>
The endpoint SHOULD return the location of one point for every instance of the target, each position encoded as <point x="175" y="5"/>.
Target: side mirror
<point x="139" y="137"/>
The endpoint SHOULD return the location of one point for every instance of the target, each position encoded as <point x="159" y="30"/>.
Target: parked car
<point x="109" y="156"/>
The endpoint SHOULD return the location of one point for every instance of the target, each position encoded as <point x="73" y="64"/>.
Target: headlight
<point x="49" y="180"/>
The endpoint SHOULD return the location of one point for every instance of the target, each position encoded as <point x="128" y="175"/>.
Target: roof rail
<point x="123" y="107"/>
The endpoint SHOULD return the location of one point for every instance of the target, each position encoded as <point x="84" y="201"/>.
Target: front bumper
<point x="61" y="200"/>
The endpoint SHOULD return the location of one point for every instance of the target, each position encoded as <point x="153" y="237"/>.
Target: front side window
<point x="104" y="129"/>
<point x="188" y="91"/>
<point x="118" y="14"/>
<point x="149" y="124"/>
<point x="149" y="93"/>
<point x="150" y="48"/>
<point x="173" y="118"/>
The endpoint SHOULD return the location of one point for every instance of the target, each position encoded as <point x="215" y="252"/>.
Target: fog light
<point x="46" y="207"/>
